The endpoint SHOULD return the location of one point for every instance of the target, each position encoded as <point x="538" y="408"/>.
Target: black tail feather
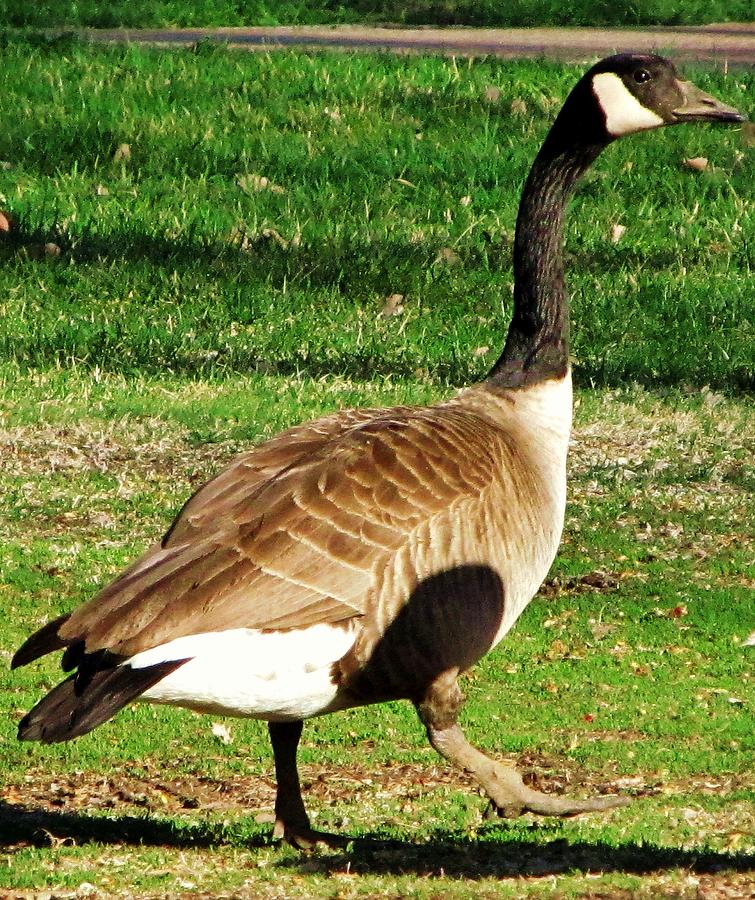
<point x="43" y="641"/>
<point x="77" y="705"/>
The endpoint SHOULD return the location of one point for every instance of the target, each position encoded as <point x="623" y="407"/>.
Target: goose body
<point x="430" y="519"/>
<point x="372" y="555"/>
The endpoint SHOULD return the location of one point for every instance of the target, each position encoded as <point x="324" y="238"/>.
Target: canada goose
<point x="373" y="554"/>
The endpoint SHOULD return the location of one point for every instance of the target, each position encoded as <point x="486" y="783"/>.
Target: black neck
<point x="537" y="344"/>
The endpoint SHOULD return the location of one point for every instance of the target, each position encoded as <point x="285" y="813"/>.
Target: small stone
<point x="697" y="163"/>
<point x="448" y="256"/>
<point x="253" y="183"/>
<point x="122" y="153"/>
<point x="518" y="107"/>
<point x="393" y="306"/>
<point x="222" y="733"/>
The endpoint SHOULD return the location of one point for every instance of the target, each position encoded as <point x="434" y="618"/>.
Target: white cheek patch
<point x="623" y="111"/>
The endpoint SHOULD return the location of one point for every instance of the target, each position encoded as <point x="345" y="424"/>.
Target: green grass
<point x="194" y="309"/>
<point x="517" y="13"/>
<point x="383" y="176"/>
<point x="599" y="684"/>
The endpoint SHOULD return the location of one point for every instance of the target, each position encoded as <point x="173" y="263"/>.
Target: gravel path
<point x="727" y="44"/>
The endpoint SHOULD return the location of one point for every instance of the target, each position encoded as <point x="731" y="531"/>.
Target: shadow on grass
<point x="26" y="826"/>
<point x="357" y="265"/>
<point x="492" y="855"/>
<point x="447" y="854"/>
<point x="349" y="274"/>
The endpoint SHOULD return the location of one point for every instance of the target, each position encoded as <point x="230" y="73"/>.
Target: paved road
<point x="728" y="44"/>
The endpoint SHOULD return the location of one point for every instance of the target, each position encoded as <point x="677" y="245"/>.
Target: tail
<point x="46" y="640"/>
<point x="102" y="685"/>
<point x="73" y="708"/>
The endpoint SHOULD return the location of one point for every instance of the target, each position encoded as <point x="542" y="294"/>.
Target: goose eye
<point x="641" y="76"/>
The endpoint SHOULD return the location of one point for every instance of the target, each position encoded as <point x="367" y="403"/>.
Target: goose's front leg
<point x="508" y="793"/>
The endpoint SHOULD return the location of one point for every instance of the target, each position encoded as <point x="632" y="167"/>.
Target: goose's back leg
<point x="291" y="819"/>
<point x="508" y="793"/>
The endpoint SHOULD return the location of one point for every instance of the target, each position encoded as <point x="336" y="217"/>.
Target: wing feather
<point x="299" y="530"/>
<point x="257" y="466"/>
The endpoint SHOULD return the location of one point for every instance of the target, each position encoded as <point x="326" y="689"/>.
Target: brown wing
<point x="258" y="465"/>
<point x="302" y="546"/>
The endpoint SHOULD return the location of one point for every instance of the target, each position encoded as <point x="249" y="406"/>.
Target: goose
<point x="373" y="554"/>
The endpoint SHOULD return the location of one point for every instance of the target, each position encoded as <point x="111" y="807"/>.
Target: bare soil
<point x="67" y="810"/>
<point x="125" y="792"/>
<point x="725" y="44"/>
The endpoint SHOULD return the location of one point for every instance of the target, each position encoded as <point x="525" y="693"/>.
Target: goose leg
<point x="291" y="819"/>
<point x="508" y="793"/>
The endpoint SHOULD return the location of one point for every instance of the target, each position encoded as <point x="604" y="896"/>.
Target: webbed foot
<point x="301" y="836"/>
<point x="510" y="797"/>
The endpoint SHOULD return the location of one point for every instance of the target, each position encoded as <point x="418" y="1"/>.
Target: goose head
<point x="633" y="92"/>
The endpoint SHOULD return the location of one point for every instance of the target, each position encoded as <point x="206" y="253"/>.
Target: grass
<point x="195" y="308"/>
<point x="205" y="205"/>
<point x="518" y="13"/>
<point x="631" y="649"/>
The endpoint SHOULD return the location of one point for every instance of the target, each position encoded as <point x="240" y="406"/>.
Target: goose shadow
<point x="444" y="854"/>
<point x="487" y="856"/>
<point x="26" y="825"/>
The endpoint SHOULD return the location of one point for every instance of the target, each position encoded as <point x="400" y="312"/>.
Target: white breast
<point x="273" y="675"/>
<point x="543" y="423"/>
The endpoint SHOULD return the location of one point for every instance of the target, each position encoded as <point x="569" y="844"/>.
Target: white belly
<point x="275" y="675"/>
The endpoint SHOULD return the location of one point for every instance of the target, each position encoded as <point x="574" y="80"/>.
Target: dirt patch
<point x="681" y="459"/>
<point x="145" y="448"/>
<point x="186" y="820"/>
<point x="253" y="795"/>
<point x="724" y="43"/>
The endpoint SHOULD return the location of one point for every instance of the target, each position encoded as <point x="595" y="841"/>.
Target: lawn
<point x="226" y="238"/>
<point x="204" y="205"/>
<point x="516" y="13"/>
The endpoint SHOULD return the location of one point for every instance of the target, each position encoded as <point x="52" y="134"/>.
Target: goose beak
<point x="699" y="106"/>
